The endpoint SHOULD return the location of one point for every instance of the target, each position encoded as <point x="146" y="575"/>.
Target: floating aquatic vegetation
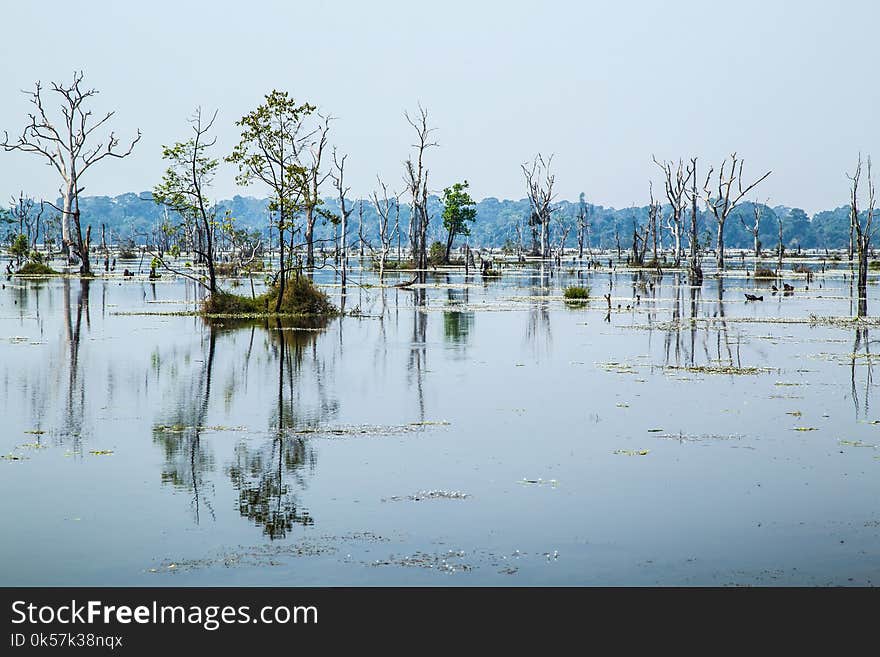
<point x="101" y="452"/>
<point x="720" y="369"/>
<point x="262" y="555"/>
<point x="654" y="430"/>
<point x="794" y="413"/>
<point x="429" y="495"/>
<point x="856" y="443"/>
<point x="38" y="432"/>
<point x="632" y="452"/>
<point x="370" y="430"/>
<point x="12" y="457"/>
<point x="804" y="429"/>
<point x="181" y="428"/>
<point x="617" y="368"/>
<point x="447" y="562"/>
<point x="32" y="446"/>
<point x="539" y="482"/>
<point x="683" y="437"/>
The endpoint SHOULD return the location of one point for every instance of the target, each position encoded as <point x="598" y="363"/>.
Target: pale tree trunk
<point x="310" y="242"/>
<point x="545" y="237"/>
<point x="67" y="211"/>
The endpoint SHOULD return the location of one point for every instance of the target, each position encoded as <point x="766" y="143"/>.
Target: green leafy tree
<point x="268" y="152"/>
<point x="184" y="186"/>
<point x="458" y="210"/>
<point x="19" y="248"/>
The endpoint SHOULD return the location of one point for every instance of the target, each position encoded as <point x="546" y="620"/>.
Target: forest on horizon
<point x="137" y="217"/>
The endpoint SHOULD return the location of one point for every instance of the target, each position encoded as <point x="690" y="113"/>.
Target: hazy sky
<point x="602" y="85"/>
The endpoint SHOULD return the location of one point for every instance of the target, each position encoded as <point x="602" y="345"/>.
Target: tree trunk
<point x="344" y="252"/>
<point x="545" y="237"/>
<point x="310" y="237"/>
<point x="65" y="219"/>
<point x="449" y="241"/>
<point x="862" y="308"/>
<point x="719" y="255"/>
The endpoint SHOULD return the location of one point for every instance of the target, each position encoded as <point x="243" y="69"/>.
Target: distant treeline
<point x="136" y="217"/>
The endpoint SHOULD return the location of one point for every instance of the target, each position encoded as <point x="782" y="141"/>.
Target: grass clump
<point x="874" y="265"/>
<point x="764" y="272"/>
<point x="576" y="293"/>
<point x="36" y="269"/>
<point x="301" y="297"/>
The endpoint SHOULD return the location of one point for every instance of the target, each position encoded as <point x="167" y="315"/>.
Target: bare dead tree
<point x="864" y="230"/>
<point x="384" y="207"/>
<point x="583" y="226"/>
<point x="563" y="228"/>
<point x="72" y="148"/>
<point x="695" y="270"/>
<point x="757" y="212"/>
<point x="416" y="178"/>
<point x="727" y="193"/>
<point x="675" y="180"/>
<point x="27" y="213"/>
<point x="654" y="211"/>
<point x="361" y="238"/>
<point x="539" y="184"/>
<point x="315" y="178"/>
<point x="338" y="176"/>
<point x="780" y="250"/>
<point x="639" y="243"/>
<point x="184" y="189"/>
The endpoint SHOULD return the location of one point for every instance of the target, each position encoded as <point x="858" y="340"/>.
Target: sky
<point x="602" y="86"/>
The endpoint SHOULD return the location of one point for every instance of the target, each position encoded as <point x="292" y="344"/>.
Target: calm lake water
<point x="468" y="433"/>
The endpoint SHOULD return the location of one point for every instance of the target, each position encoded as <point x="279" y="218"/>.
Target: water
<point x="543" y="442"/>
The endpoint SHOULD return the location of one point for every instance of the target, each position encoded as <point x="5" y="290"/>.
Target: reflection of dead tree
<point x="674" y="331"/>
<point x="186" y="459"/>
<point x="695" y="299"/>
<point x="860" y="340"/>
<point x="418" y="349"/>
<point x="75" y="410"/>
<point x="723" y="337"/>
<point x="538" y="325"/>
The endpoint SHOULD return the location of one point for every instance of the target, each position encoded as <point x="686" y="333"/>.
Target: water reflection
<point x="266" y="474"/>
<point x="418" y="353"/>
<point x="861" y="353"/>
<point x="187" y="461"/>
<point x="538" y="335"/>
<point x="75" y="398"/>
<point x="458" y="322"/>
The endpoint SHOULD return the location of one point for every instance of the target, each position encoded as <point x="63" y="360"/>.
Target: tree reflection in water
<point x="265" y="474"/>
<point x="457" y="320"/>
<point x="861" y="353"/>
